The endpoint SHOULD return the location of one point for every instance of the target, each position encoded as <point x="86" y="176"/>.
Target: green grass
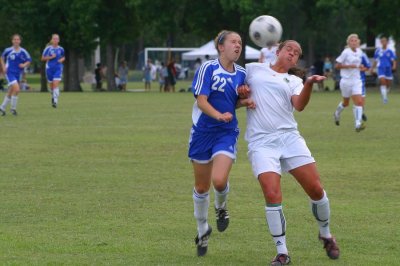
<point x="105" y="180"/>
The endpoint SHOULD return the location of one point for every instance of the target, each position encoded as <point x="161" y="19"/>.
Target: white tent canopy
<point x="209" y="49"/>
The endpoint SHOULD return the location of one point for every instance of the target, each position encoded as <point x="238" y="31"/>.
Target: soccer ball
<point x="265" y="31"/>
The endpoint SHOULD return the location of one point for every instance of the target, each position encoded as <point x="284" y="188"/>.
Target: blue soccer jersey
<point x="13" y="59"/>
<point x="212" y="80"/>
<point x="58" y="51"/>
<point x="384" y="57"/>
<point x="366" y="63"/>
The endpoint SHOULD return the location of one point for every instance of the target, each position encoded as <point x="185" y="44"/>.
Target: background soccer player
<point x="13" y="61"/>
<point x="275" y="145"/>
<point x="212" y="144"/>
<point x="349" y="63"/>
<point x="385" y="59"/>
<point x="54" y="57"/>
<point x="268" y="54"/>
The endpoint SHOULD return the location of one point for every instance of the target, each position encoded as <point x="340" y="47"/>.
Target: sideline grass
<point x="104" y="180"/>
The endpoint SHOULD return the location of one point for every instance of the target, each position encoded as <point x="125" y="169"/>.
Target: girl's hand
<point x="225" y="117"/>
<point x="315" y="79"/>
<point x="249" y="103"/>
<point x="243" y="91"/>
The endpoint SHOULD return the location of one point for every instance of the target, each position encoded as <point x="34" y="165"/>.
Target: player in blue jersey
<point x="214" y="134"/>
<point x="385" y="59"/>
<point x="13" y="61"/>
<point x="365" y="65"/>
<point x="54" y="56"/>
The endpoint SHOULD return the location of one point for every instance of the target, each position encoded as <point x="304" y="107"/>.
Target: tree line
<point x="321" y="26"/>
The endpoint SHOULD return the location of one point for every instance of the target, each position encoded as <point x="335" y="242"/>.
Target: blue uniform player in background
<point x="366" y="64"/>
<point x="214" y="134"/>
<point x="385" y="60"/>
<point x="13" y="61"/>
<point x="54" y="57"/>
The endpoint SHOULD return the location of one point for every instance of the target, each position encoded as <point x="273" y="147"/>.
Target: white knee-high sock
<point x="56" y="94"/>
<point x="277" y="227"/>
<point x="14" y="100"/>
<point x="357" y="111"/>
<point x="6" y="101"/>
<point x="321" y="211"/>
<point x="201" y="203"/>
<point x="384" y="92"/>
<point x="221" y="197"/>
<point x="339" y="109"/>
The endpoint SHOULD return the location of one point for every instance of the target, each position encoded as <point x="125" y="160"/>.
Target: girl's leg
<point x="271" y="187"/>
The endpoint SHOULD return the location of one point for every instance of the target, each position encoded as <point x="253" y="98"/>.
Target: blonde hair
<point x="353" y="35"/>
<point x="221" y="37"/>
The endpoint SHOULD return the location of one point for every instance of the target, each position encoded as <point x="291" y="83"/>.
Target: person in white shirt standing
<point x="349" y="63"/>
<point x="268" y="54"/>
<point x="275" y="144"/>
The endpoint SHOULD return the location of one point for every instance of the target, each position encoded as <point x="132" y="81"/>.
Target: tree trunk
<point x="71" y="72"/>
<point x="111" y="86"/>
<point x="43" y="78"/>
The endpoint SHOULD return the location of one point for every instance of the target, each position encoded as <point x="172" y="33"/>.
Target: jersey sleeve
<point x="62" y="52"/>
<point x="365" y="61"/>
<point x="202" y="80"/>
<point x="28" y="56"/>
<point x="341" y="57"/>
<point x="297" y="86"/>
<point x="376" y="54"/>
<point x="5" y="54"/>
<point x="46" y="51"/>
<point x="392" y="55"/>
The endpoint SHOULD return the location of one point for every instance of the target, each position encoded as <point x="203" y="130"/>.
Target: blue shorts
<point x="385" y="72"/>
<point x="54" y="74"/>
<point x="363" y="88"/>
<point x="12" y="78"/>
<point x="204" y="146"/>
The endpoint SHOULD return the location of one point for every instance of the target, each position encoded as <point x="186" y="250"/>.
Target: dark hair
<point x="220" y="39"/>
<point x="16" y="34"/>
<point x="297" y="71"/>
<point x="282" y="44"/>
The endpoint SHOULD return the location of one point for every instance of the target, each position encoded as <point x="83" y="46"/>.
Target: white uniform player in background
<point x="349" y="63"/>
<point x="275" y="144"/>
<point x="268" y="54"/>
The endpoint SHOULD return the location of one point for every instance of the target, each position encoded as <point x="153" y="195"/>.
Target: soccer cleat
<point x="336" y="118"/>
<point x="222" y="216"/>
<point x="280" y="259"/>
<point x="13" y="112"/>
<point x="54" y="105"/>
<point x="364" y="118"/>
<point x="360" y="127"/>
<point x="385" y="101"/>
<point x="332" y="249"/>
<point x="202" y="242"/>
<point x="2" y="112"/>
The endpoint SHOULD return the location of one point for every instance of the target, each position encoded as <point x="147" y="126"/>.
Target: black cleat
<point x="280" y="259"/>
<point x="202" y="242"/>
<point x="2" y="112"/>
<point x="222" y="216"/>
<point x="331" y="247"/>
<point x="13" y="112"/>
<point x="364" y="118"/>
<point x="54" y="105"/>
<point x="336" y="119"/>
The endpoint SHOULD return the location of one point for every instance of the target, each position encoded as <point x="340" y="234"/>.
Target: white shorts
<point x="279" y="151"/>
<point x="350" y="87"/>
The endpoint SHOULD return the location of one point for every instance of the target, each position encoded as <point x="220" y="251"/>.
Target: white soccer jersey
<point x="272" y="93"/>
<point x="350" y="57"/>
<point x="269" y="54"/>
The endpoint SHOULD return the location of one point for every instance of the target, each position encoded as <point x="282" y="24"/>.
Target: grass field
<point x="105" y="180"/>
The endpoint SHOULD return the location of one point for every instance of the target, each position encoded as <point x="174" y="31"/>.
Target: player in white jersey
<point x="275" y="145"/>
<point x="54" y="57"/>
<point x="214" y="133"/>
<point x="268" y="54"/>
<point x="349" y="63"/>
<point x="13" y="62"/>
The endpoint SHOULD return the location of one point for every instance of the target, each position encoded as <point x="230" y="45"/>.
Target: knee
<point x="219" y="185"/>
<point x="345" y="103"/>
<point x="273" y="196"/>
<point x="202" y="188"/>
<point x="316" y="192"/>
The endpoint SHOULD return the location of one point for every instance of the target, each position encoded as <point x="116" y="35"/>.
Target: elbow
<point x="299" y="108"/>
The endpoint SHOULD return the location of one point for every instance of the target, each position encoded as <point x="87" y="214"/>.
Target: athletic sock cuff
<point x="199" y="195"/>
<point x="322" y="200"/>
